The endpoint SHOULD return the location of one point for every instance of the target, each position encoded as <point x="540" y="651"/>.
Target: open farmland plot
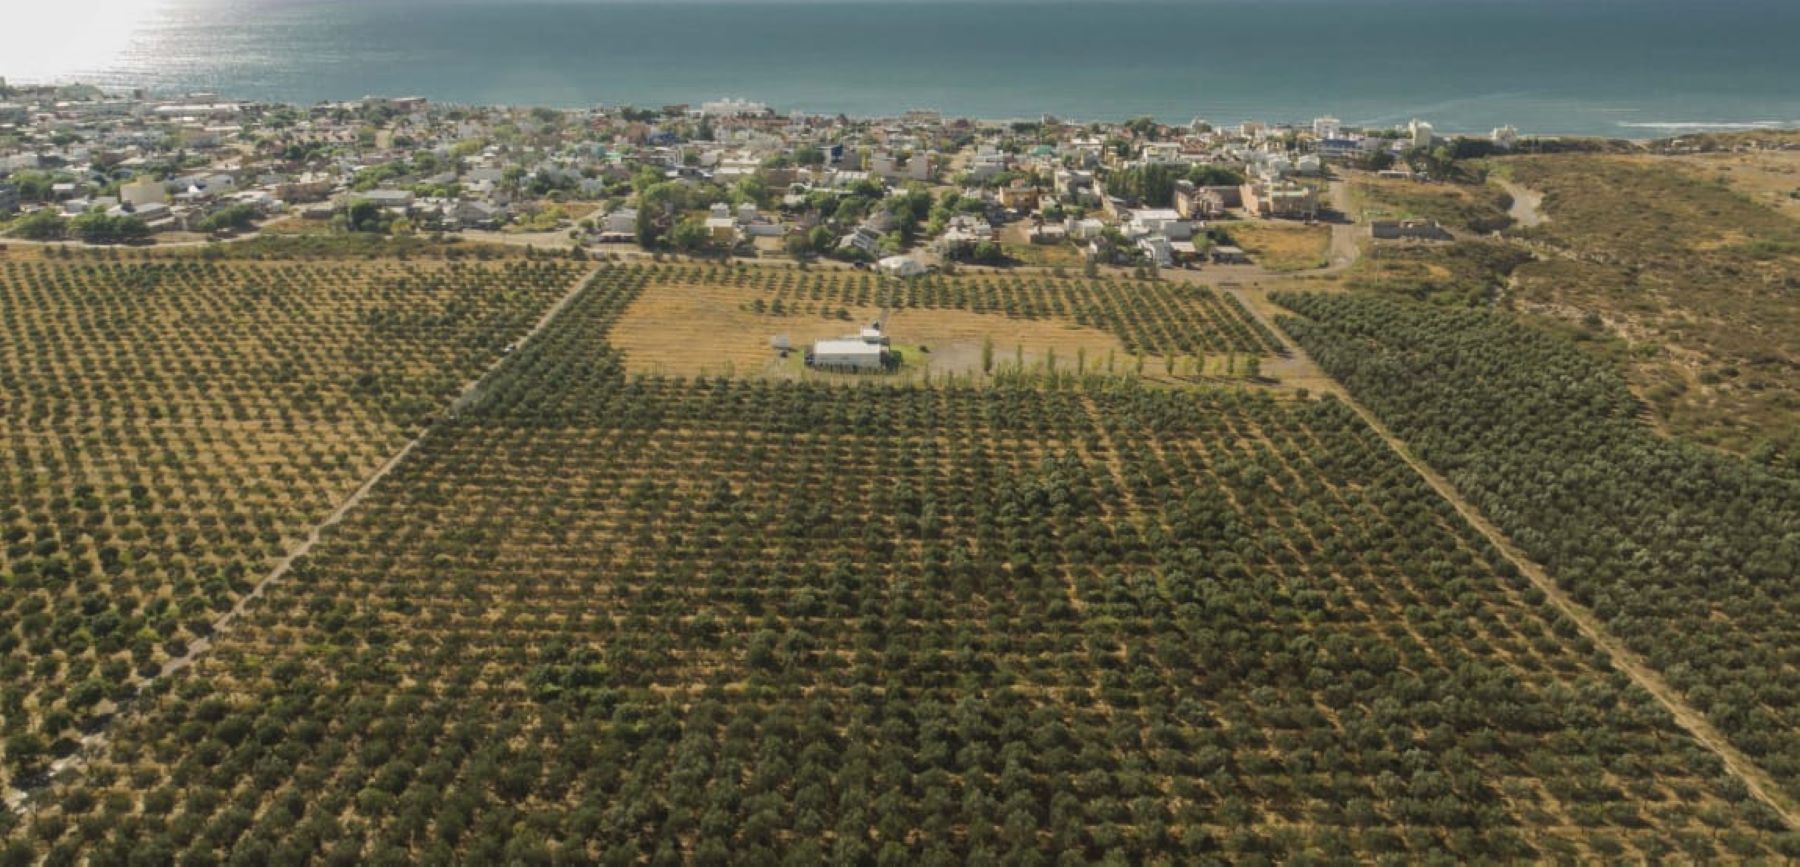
<point x="608" y="618"/>
<point x="172" y="428"/>
<point x="694" y="320"/>
<point x="1477" y="208"/>
<point x="1282" y="246"/>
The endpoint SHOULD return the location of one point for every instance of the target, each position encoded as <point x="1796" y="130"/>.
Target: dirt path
<point x="1344" y="249"/>
<point x="1758" y="781"/>
<point x="90" y="744"/>
<point x="1527" y="204"/>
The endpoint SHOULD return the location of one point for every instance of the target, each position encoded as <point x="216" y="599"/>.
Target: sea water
<point x="1627" y="68"/>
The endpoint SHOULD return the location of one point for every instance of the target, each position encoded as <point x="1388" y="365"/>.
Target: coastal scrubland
<point x="1474" y="208"/>
<point x="1686" y="282"/>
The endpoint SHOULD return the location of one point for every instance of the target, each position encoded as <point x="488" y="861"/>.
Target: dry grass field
<point x="1767" y="177"/>
<point x="1459" y="207"/>
<point x="721" y="322"/>
<point x="1283" y="246"/>
<point x="688" y="329"/>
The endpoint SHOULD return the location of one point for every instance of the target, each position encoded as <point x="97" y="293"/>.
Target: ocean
<point x="1623" y="68"/>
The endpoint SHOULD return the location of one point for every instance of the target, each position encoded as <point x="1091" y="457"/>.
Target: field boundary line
<point x="90" y="743"/>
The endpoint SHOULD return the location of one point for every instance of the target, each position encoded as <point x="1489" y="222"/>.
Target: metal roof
<point x="846" y="347"/>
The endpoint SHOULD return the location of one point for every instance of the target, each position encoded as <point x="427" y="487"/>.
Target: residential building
<point x="1020" y="195"/>
<point x="1049" y="233"/>
<point x="965" y="230"/>
<point x="987" y="163"/>
<point x="1156" y="248"/>
<point x="1165" y="222"/>
<point x="399" y="200"/>
<point x="1339" y="148"/>
<point x="467" y="214"/>
<point x="734" y="108"/>
<point x="1076" y="186"/>
<point x="1421" y="133"/>
<point x="1205" y="203"/>
<point x="722" y="230"/>
<point x="863" y="239"/>
<point x="1085" y="229"/>
<point x="1281" y="200"/>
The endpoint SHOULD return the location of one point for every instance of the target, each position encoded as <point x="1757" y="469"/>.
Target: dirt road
<point x="1527" y="205"/>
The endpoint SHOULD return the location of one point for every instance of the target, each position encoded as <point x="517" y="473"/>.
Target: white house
<point x="1160" y="221"/>
<point x="987" y="164"/>
<point x="1085" y="229"/>
<point x="733" y="108"/>
<point x="900" y="266"/>
<point x="1422" y="133"/>
<point x="1156" y="248"/>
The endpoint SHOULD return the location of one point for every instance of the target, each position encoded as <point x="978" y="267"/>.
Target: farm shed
<point x="849" y="354"/>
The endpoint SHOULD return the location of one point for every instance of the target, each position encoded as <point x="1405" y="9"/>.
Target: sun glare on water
<point x="53" y="41"/>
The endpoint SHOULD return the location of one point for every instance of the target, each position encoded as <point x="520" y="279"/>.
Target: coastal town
<point x="729" y="178"/>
